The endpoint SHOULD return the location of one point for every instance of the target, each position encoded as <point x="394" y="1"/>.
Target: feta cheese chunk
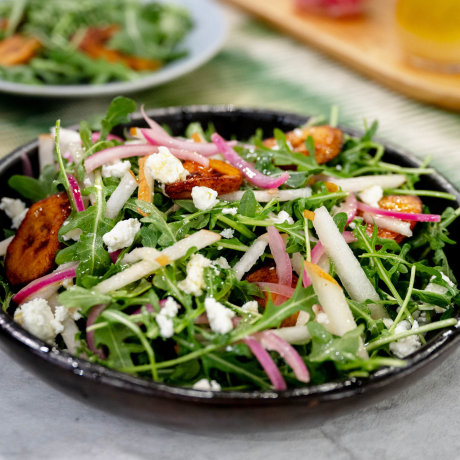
<point x="122" y="235"/>
<point x="15" y="209"/>
<point x="227" y="233"/>
<point x="164" y="167"/>
<point x="231" y="211"/>
<point x="37" y="318"/>
<point x="204" y="198"/>
<point x="73" y="235"/>
<point x="372" y="195"/>
<point x="282" y="217"/>
<point x="116" y="169"/>
<point x="251" y="307"/>
<point x="222" y="262"/>
<point x="220" y="317"/>
<point x="432" y="286"/>
<point x="165" y="317"/>
<point x="406" y="346"/>
<point x="194" y="282"/>
<point x="206" y="385"/>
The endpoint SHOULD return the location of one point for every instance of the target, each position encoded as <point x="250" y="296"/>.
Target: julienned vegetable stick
<point x="145" y="267"/>
<point x="45" y="150"/>
<point x="333" y="302"/>
<point x="357" y="184"/>
<point x="4" y="245"/>
<point x="389" y="223"/>
<point x="264" y="196"/>
<point x="251" y="257"/>
<point x="145" y="191"/>
<point x="121" y="195"/>
<point x="347" y="265"/>
<point x="296" y="335"/>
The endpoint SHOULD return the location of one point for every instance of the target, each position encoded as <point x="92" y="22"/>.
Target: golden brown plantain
<point x="32" y="251"/>
<point x="267" y="274"/>
<point x="17" y="49"/>
<point x="220" y="176"/>
<point x="94" y="44"/>
<point x="401" y="203"/>
<point x="328" y="141"/>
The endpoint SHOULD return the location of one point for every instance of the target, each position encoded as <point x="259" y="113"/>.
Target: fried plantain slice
<point x="328" y="141"/>
<point x="220" y="176"/>
<point x="17" y="50"/>
<point x="32" y="251"/>
<point x="400" y="203"/>
<point x="94" y="44"/>
<point x="267" y="274"/>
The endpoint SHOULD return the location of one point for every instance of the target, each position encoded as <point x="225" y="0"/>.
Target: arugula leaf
<point x="117" y="113"/>
<point x="326" y="347"/>
<point x="248" y="204"/>
<point x="36" y="189"/>
<point x="83" y="299"/>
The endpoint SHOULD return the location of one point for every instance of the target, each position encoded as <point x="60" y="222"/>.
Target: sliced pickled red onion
<point x="97" y="135"/>
<point x="349" y="207"/>
<point x="56" y="277"/>
<point x="251" y="173"/>
<point x="400" y="215"/>
<point x="282" y="260"/>
<point x="116" y="153"/>
<point x="266" y="362"/>
<point x="92" y="317"/>
<point x="76" y="193"/>
<point x="272" y="341"/>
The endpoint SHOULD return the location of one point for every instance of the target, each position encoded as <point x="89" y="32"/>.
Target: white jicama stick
<point x="68" y="335"/>
<point x="358" y="184"/>
<point x="389" y="223"/>
<point x="4" y="245"/>
<point x="140" y="254"/>
<point x="264" y="196"/>
<point x="297" y="263"/>
<point x="347" y="265"/>
<point x="45" y="150"/>
<point x="146" y="267"/>
<point x="121" y="195"/>
<point x="296" y="335"/>
<point x="250" y="257"/>
<point x="333" y="302"/>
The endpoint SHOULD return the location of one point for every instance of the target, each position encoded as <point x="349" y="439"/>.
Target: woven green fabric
<point x="259" y="67"/>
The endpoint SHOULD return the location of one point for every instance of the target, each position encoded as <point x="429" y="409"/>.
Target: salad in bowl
<point x="270" y="262"/>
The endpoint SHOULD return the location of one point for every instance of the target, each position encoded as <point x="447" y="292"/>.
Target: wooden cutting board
<point x="369" y="44"/>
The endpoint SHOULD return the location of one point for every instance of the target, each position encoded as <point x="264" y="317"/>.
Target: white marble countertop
<point x="39" y="422"/>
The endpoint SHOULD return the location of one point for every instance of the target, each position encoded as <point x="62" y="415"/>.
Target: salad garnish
<point x="63" y="42"/>
<point x="227" y="264"/>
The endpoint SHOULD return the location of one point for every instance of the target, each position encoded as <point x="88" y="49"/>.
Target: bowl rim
<point x="331" y="391"/>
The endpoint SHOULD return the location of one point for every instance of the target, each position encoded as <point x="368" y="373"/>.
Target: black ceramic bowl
<point x="142" y="398"/>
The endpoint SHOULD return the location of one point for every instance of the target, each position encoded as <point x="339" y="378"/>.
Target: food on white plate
<point x="261" y="263"/>
<point x="66" y="42"/>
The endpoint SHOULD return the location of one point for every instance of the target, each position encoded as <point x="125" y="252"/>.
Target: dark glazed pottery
<point x="185" y="407"/>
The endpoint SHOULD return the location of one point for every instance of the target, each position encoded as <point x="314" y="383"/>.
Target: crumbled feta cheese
<point x="15" y="209"/>
<point x="250" y="307"/>
<point x="338" y="167"/>
<point x="352" y="225"/>
<point x="165" y="317"/>
<point x="165" y="167"/>
<point x="207" y="385"/>
<point x="372" y="195"/>
<point x="220" y="317"/>
<point x="122" y="235"/>
<point x="432" y="286"/>
<point x="227" y="233"/>
<point x="406" y="346"/>
<point x="231" y="211"/>
<point x="204" y="198"/>
<point x="194" y="282"/>
<point x="73" y="235"/>
<point x="282" y="217"/>
<point x="36" y="317"/>
<point x="116" y="169"/>
<point x="222" y="262"/>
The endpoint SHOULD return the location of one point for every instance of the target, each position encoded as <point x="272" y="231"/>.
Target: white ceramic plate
<point x="203" y="42"/>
